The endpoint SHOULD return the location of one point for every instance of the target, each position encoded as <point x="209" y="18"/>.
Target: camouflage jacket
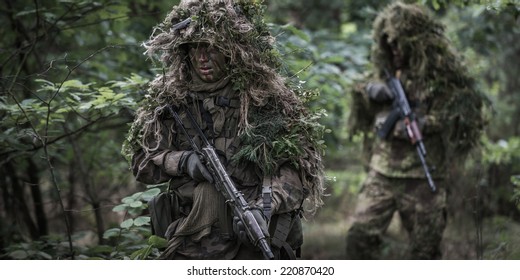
<point x="162" y="165"/>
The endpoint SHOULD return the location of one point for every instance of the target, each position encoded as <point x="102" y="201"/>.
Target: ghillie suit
<point x="437" y="76"/>
<point x="264" y="130"/>
<point x="450" y="112"/>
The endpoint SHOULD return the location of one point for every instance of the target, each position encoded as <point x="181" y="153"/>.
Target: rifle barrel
<point x="431" y="183"/>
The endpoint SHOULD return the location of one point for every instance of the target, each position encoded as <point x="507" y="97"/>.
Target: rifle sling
<point x="224" y="212"/>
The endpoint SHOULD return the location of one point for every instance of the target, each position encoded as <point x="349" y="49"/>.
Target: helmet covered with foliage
<point x="418" y="35"/>
<point x="435" y="72"/>
<point x="274" y="125"/>
<point x="236" y="29"/>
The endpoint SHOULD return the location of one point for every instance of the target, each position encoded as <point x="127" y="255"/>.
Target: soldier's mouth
<point x="206" y="70"/>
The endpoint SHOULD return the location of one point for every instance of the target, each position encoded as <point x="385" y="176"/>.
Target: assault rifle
<point x="403" y="111"/>
<point x="225" y="185"/>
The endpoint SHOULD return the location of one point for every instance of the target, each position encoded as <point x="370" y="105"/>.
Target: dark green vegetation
<point x="72" y="74"/>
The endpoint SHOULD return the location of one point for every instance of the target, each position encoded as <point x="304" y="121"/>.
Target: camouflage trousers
<point x="422" y="212"/>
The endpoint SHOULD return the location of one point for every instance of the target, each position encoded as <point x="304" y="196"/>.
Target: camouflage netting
<point x="237" y="30"/>
<point x="436" y="72"/>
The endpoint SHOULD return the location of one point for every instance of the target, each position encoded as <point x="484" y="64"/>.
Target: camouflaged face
<point x="224" y="24"/>
<point x="414" y="30"/>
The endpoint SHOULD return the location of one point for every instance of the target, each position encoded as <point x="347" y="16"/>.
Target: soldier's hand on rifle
<point x="240" y="230"/>
<point x="379" y="92"/>
<point x="400" y="128"/>
<point x="190" y="164"/>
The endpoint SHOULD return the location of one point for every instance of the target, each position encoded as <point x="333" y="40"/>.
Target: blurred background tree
<point x="72" y="74"/>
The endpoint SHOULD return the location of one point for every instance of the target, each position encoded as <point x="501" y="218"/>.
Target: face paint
<point x="209" y="64"/>
<point x="397" y="54"/>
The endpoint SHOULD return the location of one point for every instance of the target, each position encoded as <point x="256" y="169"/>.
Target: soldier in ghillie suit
<point x="449" y="113"/>
<point x="220" y="65"/>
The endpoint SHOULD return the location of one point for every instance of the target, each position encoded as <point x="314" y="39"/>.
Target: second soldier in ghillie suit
<point x="221" y="66"/>
<point x="449" y="111"/>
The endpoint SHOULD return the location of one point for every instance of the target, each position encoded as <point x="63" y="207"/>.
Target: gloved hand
<point x="240" y="230"/>
<point x="379" y="92"/>
<point x="190" y="164"/>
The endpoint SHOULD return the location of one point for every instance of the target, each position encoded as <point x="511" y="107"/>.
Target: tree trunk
<point x="100" y="224"/>
<point x="71" y="195"/>
<point x="39" y="211"/>
<point x="88" y="188"/>
<point x="19" y="202"/>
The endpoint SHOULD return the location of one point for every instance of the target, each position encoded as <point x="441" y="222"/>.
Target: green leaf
<point x="49" y="83"/>
<point x="107" y="92"/>
<point x="135" y="211"/>
<point x="24" y="13"/>
<point x="118" y="96"/>
<point x="128" y="200"/>
<point x="111" y="233"/>
<point x="436" y="5"/>
<point x="142" y="253"/>
<point x="136" y="195"/>
<point x="141" y="221"/>
<point x="62" y="110"/>
<point x="150" y="193"/>
<point x="136" y="204"/>
<point x="85" y="106"/>
<point x="18" y="255"/>
<point x="74" y="84"/>
<point x="44" y="255"/>
<point x="515" y="180"/>
<point x="120" y="208"/>
<point x="27" y="103"/>
<point x="157" y="242"/>
<point x="127" y="223"/>
<point x="297" y="32"/>
<point x="75" y="97"/>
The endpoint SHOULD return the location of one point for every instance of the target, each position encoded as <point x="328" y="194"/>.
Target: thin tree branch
<point x="54" y="140"/>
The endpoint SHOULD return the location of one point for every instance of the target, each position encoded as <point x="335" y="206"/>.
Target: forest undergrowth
<point x="465" y="237"/>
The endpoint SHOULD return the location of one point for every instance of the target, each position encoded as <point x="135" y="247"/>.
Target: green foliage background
<point x="72" y="74"/>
